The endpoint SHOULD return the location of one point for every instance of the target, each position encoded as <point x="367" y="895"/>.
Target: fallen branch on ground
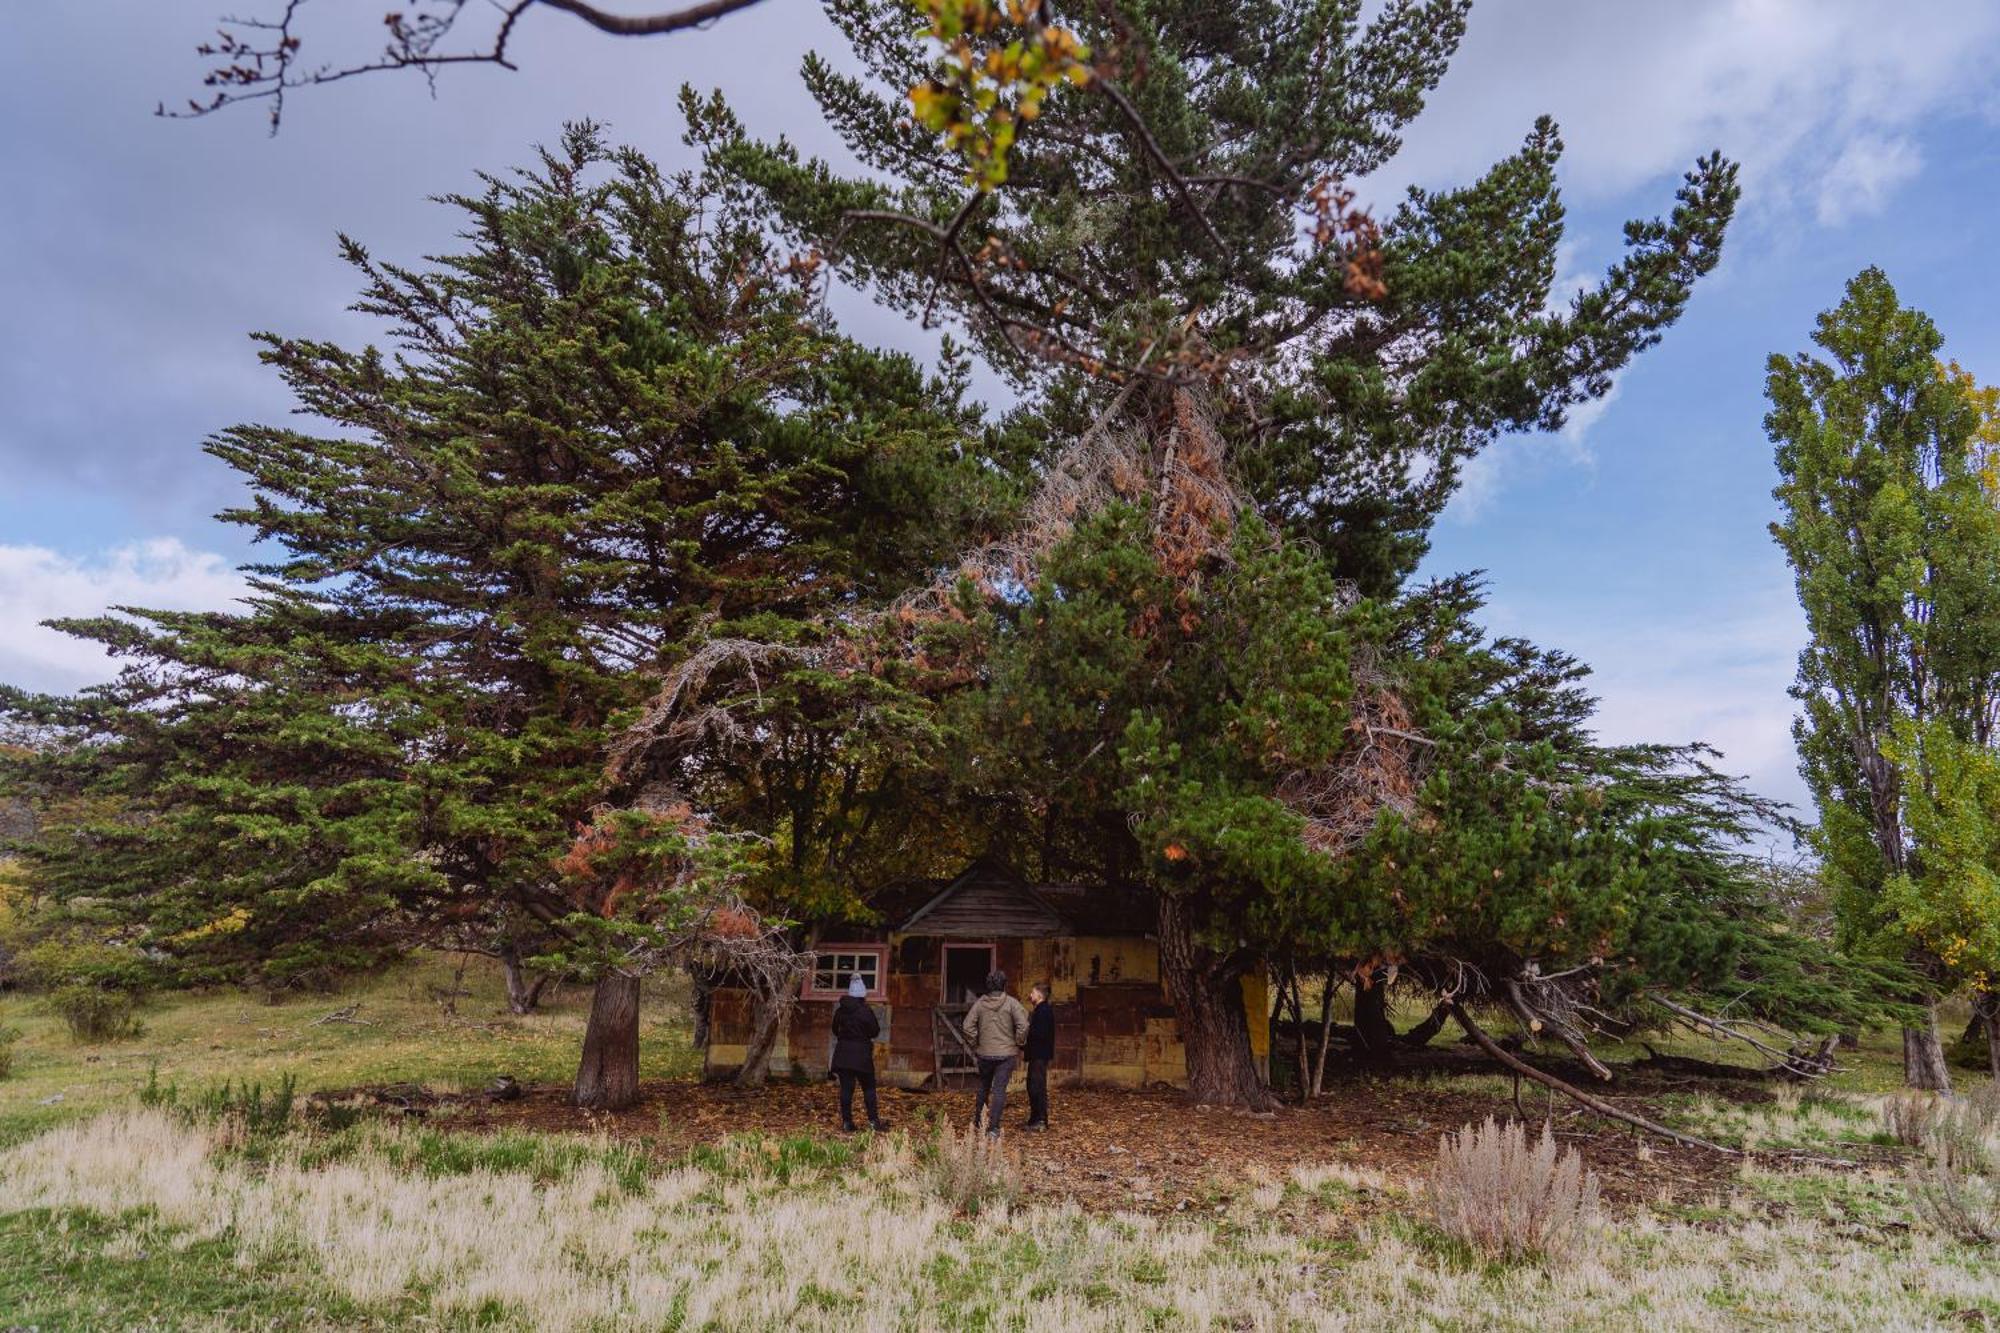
<point x="1603" y="1108"/>
<point x="343" y="1015"/>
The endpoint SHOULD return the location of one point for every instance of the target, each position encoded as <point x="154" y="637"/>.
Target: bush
<point x="1507" y="1199"/>
<point x="1956" y="1202"/>
<point x="1909" y="1117"/>
<point x="95" y="1014"/>
<point x="1953" y="1134"/>
<point x="969" y="1170"/>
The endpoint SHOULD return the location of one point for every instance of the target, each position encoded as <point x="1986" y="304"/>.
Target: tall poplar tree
<point x="1896" y="547"/>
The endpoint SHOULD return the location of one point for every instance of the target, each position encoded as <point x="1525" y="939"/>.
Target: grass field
<point x="115" y="1215"/>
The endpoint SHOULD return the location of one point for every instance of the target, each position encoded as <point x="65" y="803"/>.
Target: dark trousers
<point x="848" y="1078"/>
<point x="1038" y="1092"/>
<point x="993" y="1076"/>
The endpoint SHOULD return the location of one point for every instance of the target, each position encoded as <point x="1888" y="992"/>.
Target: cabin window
<point x="837" y="962"/>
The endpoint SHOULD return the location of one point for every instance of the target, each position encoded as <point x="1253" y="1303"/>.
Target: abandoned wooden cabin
<point x="927" y="956"/>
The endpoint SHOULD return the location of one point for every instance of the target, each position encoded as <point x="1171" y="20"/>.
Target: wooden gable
<point x="988" y="901"/>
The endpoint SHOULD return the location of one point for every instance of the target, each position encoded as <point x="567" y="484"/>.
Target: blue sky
<point x="136" y="253"/>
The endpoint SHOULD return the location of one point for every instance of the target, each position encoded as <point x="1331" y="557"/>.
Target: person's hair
<point x="1042" y="988"/>
<point x="996" y="982"/>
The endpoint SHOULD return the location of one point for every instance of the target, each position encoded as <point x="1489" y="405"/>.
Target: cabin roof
<point x="990" y="899"/>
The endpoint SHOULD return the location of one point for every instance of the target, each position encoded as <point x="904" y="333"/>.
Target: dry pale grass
<point x="872" y="1247"/>
<point x="1511" y="1198"/>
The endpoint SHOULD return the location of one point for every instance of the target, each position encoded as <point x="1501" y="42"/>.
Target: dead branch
<point x="1792" y="1062"/>
<point x="1540" y="1020"/>
<point x="345" y="1014"/>
<point x="1595" y="1105"/>
<point x="260" y="59"/>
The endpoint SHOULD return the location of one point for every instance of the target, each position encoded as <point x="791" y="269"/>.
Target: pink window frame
<point x="881" y="951"/>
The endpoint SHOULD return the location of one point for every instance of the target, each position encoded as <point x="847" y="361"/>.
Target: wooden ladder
<point x="951" y="1053"/>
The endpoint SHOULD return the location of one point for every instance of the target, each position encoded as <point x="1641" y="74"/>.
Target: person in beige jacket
<point x="996" y="1026"/>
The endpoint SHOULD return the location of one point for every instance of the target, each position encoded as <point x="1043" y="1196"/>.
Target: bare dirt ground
<point x="1150" y="1150"/>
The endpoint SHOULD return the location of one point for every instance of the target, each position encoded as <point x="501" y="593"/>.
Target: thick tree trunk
<point x="1371" y="1020"/>
<point x="1923" y="1056"/>
<point x="607" y="1079"/>
<point x="1986" y="1012"/>
<point x="1208" y="1004"/>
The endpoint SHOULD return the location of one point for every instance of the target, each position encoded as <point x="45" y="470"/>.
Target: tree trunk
<point x="1986" y="1011"/>
<point x="701" y="997"/>
<point x="771" y="1003"/>
<point x="607" y="1079"/>
<point x="1420" y="1036"/>
<point x="1923" y="1056"/>
<point x="1325" y="1030"/>
<point x="524" y="990"/>
<point x="1371" y="1020"/>
<point x="1207" y="992"/>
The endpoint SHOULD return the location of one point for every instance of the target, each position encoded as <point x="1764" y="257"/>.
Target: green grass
<point x="72" y="1269"/>
<point x="197" y="1042"/>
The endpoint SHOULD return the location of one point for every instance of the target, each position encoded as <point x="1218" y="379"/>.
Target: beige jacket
<point x="996" y="1026"/>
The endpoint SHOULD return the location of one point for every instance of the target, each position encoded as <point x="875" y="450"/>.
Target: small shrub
<point x="1956" y="1202"/>
<point x="94" y="1013"/>
<point x="8" y="1036"/>
<point x="1909" y="1117"/>
<point x="1984" y="1102"/>
<point x="1508" y="1199"/>
<point x="969" y="1170"/>
<point x="1953" y="1134"/>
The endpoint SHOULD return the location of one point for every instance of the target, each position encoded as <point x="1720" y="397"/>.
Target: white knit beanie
<point x="857" y="987"/>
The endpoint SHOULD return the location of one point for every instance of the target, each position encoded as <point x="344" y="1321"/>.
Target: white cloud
<point x="1862" y="178"/>
<point x="38" y="584"/>
<point x="1802" y="92"/>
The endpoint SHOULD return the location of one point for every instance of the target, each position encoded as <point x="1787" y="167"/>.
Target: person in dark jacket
<point x="1039" y="1049"/>
<point x="855" y="1028"/>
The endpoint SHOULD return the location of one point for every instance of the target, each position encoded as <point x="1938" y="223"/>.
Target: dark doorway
<point x="965" y="969"/>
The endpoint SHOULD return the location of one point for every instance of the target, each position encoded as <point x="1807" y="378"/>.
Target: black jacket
<point x="1041" y="1044"/>
<point x="855" y="1027"/>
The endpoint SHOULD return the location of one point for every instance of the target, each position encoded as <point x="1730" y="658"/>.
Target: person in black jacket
<point x="1040" y="1049"/>
<point x="855" y="1028"/>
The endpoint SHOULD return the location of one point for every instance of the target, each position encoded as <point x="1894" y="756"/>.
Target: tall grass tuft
<point x="969" y="1170"/>
<point x="8" y="1036"/>
<point x="1508" y="1198"/>
<point x="1909" y="1117"/>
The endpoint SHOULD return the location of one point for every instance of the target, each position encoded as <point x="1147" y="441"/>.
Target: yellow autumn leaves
<point x="1000" y="62"/>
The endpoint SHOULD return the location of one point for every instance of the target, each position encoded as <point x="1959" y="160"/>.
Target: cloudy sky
<point x="136" y="253"/>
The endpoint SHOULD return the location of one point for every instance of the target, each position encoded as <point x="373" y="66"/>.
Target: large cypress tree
<point x="1896" y="547"/>
<point x="1164" y="222"/>
<point x="611" y="427"/>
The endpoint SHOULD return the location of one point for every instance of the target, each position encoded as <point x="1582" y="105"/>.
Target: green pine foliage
<point x="609" y="427"/>
<point x="1369" y="358"/>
